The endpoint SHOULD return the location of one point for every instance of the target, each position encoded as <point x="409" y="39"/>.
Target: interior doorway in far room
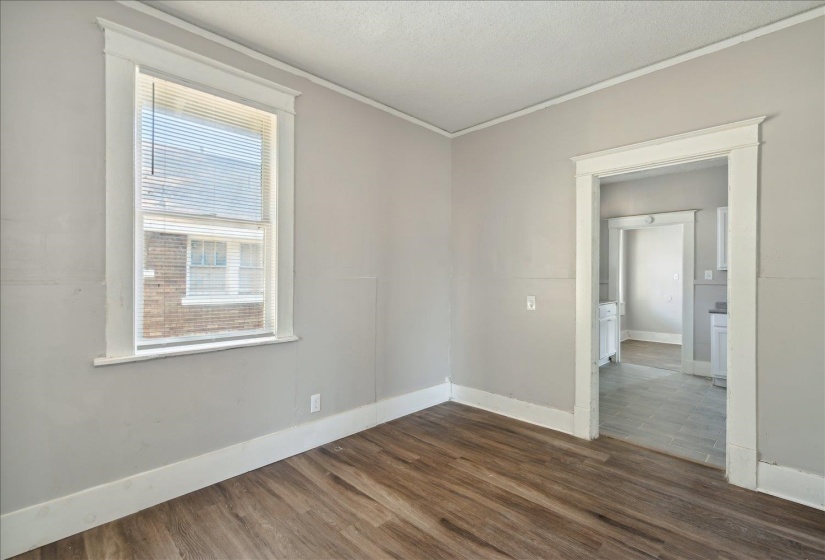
<point x="650" y="294"/>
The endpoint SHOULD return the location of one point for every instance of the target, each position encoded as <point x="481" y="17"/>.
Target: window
<point x="199" y="202"/>
<point x="205" y="170"/>
<point x="251" y="272"/>
<point x="224" y="272"/>
<point x="207" y="268"/>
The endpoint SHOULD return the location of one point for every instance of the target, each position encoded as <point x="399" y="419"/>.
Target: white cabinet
<point x="612" y="336"/>
<point x="719" y="349"/>
<point x="722" y="238"/>
<point x="608" y="332"/>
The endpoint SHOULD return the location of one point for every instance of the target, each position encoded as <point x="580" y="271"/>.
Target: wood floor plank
<point x="106" y="542"/>
<point x="460" y="501"/>
<point x="458" y="482"/>
<point x="72" y="548"/>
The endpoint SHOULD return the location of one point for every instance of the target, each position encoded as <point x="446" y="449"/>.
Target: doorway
<point x="738" y="143"/>
<point x="652" y="265"/>
<point x="650" y="262"/>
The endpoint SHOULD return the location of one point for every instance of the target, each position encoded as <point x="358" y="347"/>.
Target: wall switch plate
<point x="675" y="276"/>
<point x="708" y="275"/>
<point x="531" y="303"/>
<point x="315" y="403"/>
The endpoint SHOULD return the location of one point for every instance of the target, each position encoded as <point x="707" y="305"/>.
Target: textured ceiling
<point x="458" y="64"/>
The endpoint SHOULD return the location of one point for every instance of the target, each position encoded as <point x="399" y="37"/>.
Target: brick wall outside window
<point x="163" y="313"/>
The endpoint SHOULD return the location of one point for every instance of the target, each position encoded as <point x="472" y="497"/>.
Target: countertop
<point x="721" y="308"/>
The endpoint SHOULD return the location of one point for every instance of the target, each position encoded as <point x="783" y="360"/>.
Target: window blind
<point x="204" y="166"/>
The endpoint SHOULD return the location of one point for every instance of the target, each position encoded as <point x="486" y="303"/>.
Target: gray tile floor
<point x="679" y="414"/>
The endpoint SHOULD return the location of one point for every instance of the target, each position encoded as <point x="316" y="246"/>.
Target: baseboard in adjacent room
<point x="791" y="484"/>
<point x="700" y="368"/>
<point x="47" y="522"/>
<point x="649" y="336"/>
<point x="545" y="416"/>
<point x="625" y="336"/>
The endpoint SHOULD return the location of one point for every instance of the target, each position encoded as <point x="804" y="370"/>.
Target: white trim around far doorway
<point x="739" y="143"/>
<point x="616" y="228"/>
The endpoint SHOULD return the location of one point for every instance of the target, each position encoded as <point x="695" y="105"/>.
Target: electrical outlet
<point x="675" y="276"/>
<point x="315" y="403"/>
<point x="531" y="303"/>
<point x="708" y="275"/>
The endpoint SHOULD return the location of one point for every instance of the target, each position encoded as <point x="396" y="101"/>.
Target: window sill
<point x="221" y="300"/>
<point x="156" y="353"/>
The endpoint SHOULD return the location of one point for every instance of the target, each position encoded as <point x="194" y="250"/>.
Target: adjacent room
<point x="454" y="279"/>
<point x="663" y="273"/>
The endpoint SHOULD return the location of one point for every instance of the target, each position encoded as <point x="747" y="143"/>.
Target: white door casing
<point x="722" y="238"/>
<point x="739" y="143"/>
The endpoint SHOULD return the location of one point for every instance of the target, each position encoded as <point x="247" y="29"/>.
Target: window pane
<point x="251" y="281"/>
<point x="205" y="170"/>
<point x="201" y="154"/>
<point x="251" y="255"/>
<point x="220" y="254"/>
<point x="197" y="252"/>
<point x="208" y="253"/>
<point x="207" y="280"/>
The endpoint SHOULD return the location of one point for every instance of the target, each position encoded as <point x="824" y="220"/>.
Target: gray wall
<point x="653" y="298"/>
<point x="514" y="228"/>
<point x="372" y="272"/>
<point x="704" y="190"/>
<point x="373" y="292"/>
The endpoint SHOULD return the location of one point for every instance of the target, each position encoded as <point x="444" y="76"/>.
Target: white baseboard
<point x="402" y="405"/>
<point x="648" y="336"/>
<point x="47" y="522"/>
<point x="624" y="336"/>
<point x="790" y="484"/>
<point x="697" y="367"/>
<point x="520" y="410"/>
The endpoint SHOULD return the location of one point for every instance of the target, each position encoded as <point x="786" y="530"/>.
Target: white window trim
<point x="127" y="50"/>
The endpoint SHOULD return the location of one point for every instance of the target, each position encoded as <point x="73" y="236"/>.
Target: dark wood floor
<point x="652" y="354"/>
<point x="457" y="482"/>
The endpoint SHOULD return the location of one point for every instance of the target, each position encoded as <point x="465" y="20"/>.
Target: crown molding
<point x="214" y="37"/>
<point x="275" y="63"/>
<point x="733" y="41"/>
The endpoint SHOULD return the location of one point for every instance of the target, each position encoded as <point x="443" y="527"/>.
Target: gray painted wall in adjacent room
<point x="704" y="190"/>
<point x="653" y="300"/>
<point x="372" y="268"/>
<point x="514" y="208"/>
